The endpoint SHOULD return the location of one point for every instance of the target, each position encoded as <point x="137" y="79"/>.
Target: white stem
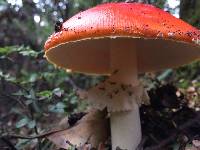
<point x="126" y="129"/>
<point x="125" y="125"/>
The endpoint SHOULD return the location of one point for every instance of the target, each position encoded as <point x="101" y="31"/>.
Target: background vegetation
<point x="35" y="96"/>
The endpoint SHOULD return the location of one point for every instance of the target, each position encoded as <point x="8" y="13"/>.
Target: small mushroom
<point x="122" y="40"/>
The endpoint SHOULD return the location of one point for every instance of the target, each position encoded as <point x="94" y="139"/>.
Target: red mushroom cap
<point x="156" y="33"/>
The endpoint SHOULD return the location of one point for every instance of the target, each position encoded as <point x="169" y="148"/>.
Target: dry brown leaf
<point x="93" y="128"/>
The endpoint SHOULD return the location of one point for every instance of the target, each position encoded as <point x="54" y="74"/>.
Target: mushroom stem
<point x="126" y="129"/>
<point x="125" y="124"/>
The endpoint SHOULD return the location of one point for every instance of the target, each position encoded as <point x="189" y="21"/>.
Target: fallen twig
<point x="39" y="136"/>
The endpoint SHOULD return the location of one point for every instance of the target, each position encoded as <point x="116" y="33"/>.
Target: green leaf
<point x="58" y="108"/>
<point x="165" y="74"/>
<point x="31" y="124"/>
<point x="45" y="95"/>
<point x="73" y="100"/>
<point x="31" y="53"/>
<point x="24" y="51"/>
<point x="7" y="77"/>
<point x="6" y="50"/>
<point x="18" y="93"/>
<point x="33" y="77"/>
<point x="60" y="105"/>
<point x="22" y="122"/>
<point x="52" y="108"/>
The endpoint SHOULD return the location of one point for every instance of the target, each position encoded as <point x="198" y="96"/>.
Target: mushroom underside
<point x="92" y="56"/>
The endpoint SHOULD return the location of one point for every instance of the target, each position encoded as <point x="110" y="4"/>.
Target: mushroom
<point x="122" y="40"/>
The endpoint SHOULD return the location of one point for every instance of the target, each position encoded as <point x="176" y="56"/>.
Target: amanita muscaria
<point x="122" y="40"/>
